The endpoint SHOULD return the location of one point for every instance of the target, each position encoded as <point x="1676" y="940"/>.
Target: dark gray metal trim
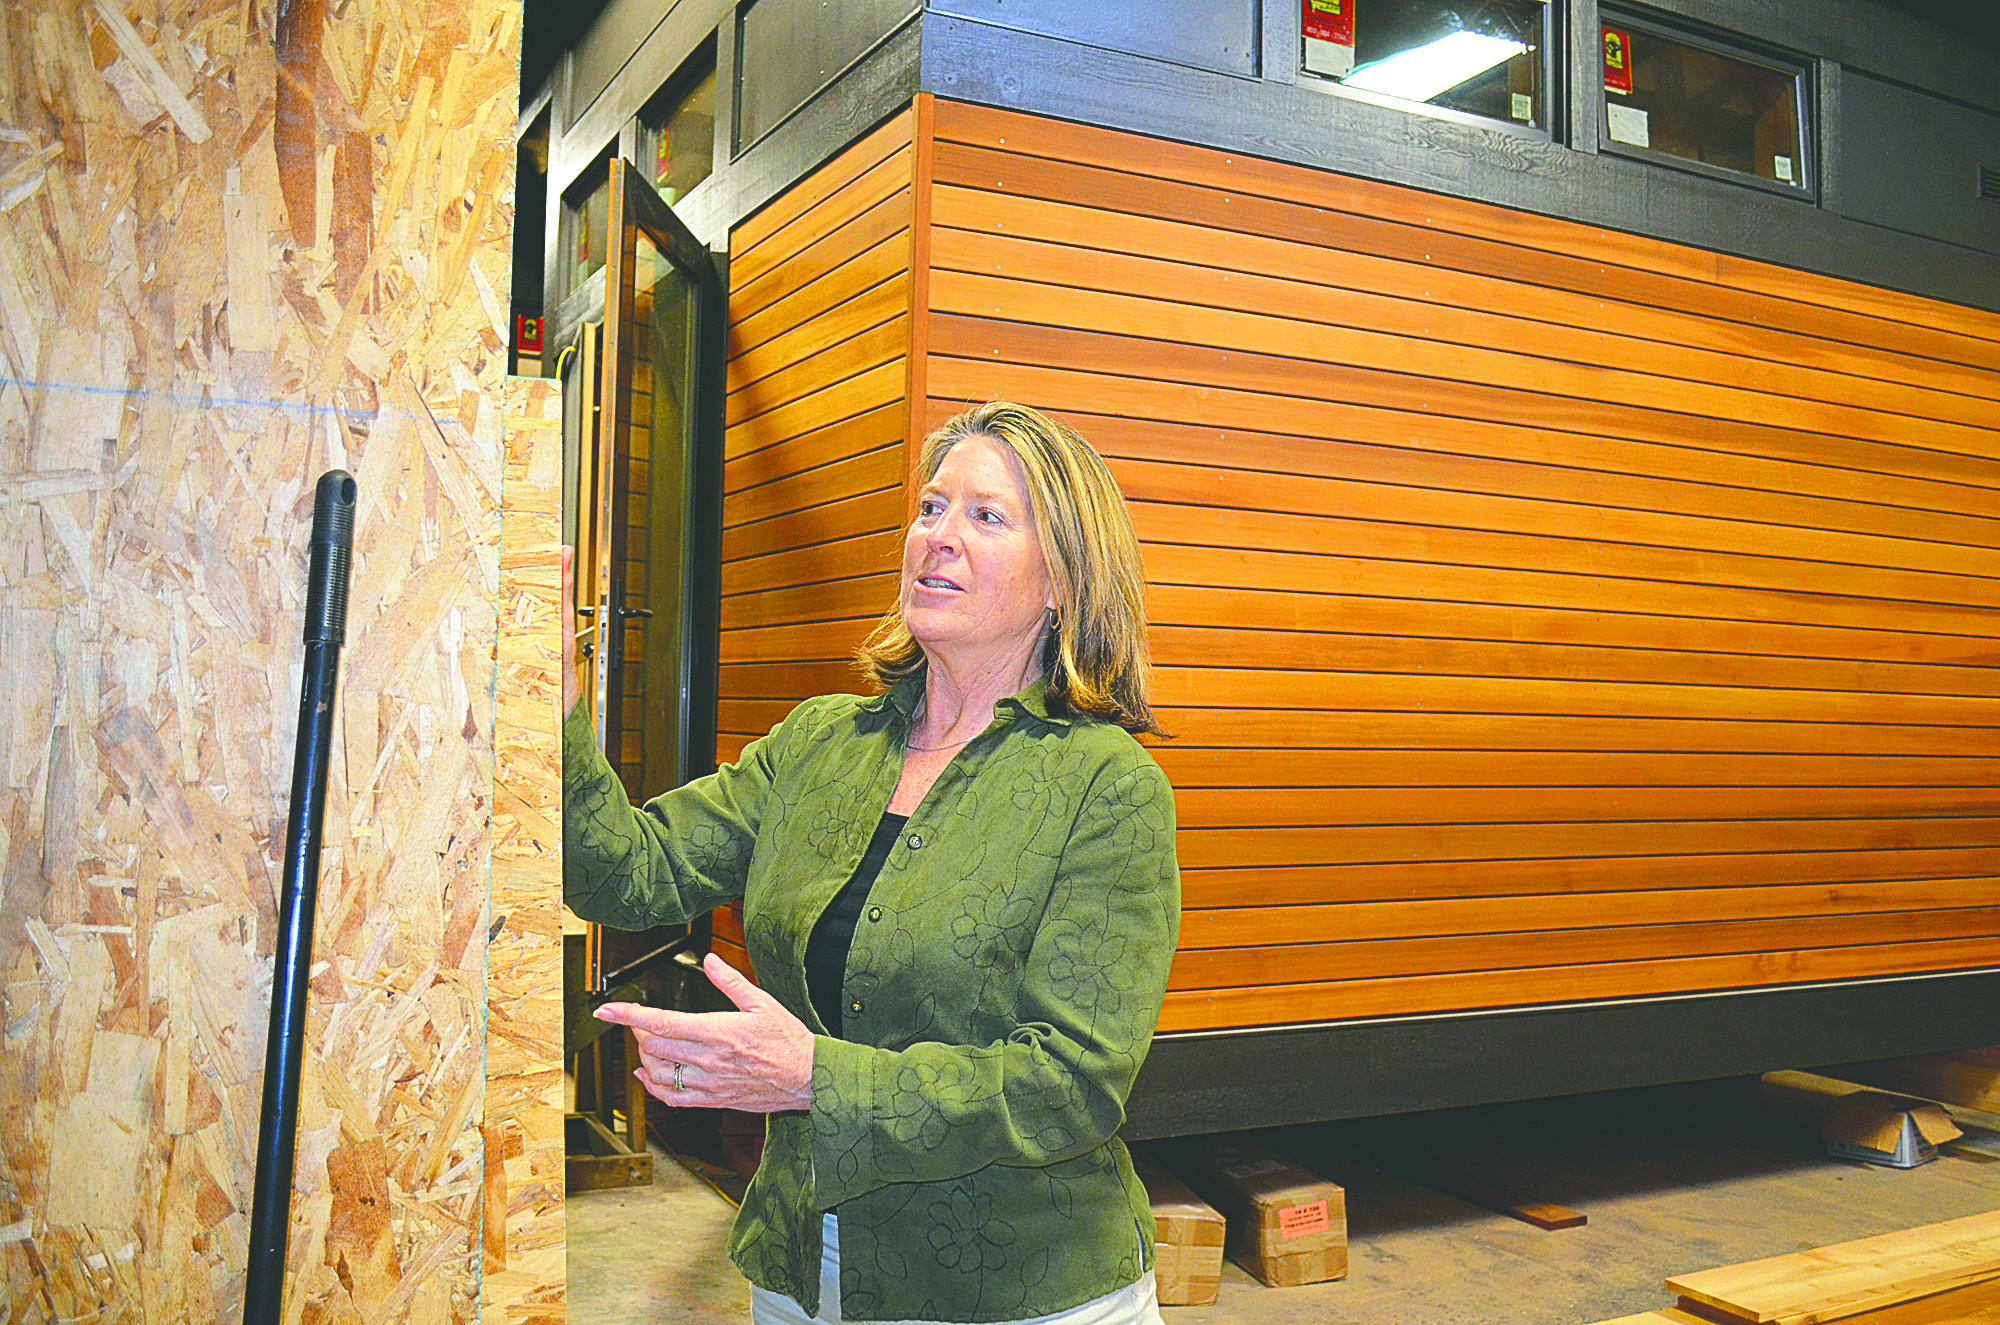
<point x="994" y="66"/>
<point x="1899" y="47"/>
<point x="882" y="33"/>
<point x="679" y="32"/>
<point x="882" y="83"/>
<point x="728" y="61"/>
<point x="1827" y="96"/>
<point x="1228" y="1081"/>
<point x="1218" y="35"/>
<point x="1280" y="36"/>
<point x="1583" y="88"/>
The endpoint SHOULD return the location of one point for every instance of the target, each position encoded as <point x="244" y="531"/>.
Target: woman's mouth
<point x="936" y="582"/>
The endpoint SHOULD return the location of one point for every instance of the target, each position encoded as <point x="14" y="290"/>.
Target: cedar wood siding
<point x="816" y="415"/>
<point x="1543" y="613"/>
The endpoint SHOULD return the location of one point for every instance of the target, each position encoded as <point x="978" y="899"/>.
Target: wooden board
<point x="1757" y="293"/>
<point x="1830" y="1283"/>
<point x="1975" y="1304"/>
<point x="245" y="244"/>
<point x="1969" y="1078"/>
<point x="522" y="1123"/>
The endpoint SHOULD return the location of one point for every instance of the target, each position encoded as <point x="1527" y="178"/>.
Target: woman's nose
<point x="943" y="533"/>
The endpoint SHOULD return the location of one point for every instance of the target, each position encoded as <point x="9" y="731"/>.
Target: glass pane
<point x="657" y="383"/>
<point x="1701" y="105"/>
<point x="1482" y="57"/>
<point x="684" y="144"/>
<point x="589" y="225"/>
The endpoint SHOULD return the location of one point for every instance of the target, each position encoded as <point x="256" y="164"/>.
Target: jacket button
<point x="916" y="841"/>
<point x="854" y="1007"/>
<point x="874" y="913"/>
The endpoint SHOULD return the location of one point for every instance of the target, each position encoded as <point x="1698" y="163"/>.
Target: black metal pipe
<point x="332" y="552"/>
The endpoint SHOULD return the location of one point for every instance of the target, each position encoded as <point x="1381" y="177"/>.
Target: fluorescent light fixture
<point x="1422" y="72"/>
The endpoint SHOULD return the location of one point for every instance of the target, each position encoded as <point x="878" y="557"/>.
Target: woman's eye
<point x="990" y="516"/>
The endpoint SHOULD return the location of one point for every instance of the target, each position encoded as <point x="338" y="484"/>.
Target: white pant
<point x="1134" y="1304"/>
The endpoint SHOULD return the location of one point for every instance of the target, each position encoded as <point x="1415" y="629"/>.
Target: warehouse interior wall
<point x="241" y="243"/>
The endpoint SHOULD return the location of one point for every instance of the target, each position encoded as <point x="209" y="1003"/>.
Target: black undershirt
<point x="833" y="934"/>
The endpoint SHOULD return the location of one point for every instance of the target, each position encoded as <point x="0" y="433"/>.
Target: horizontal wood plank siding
<point x="819" y="310"/>
<point x="1543" y="613"/>
<point x="816" y="418"/>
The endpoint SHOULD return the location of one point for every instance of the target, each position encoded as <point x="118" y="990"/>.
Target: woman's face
<point x="975" y="589"/>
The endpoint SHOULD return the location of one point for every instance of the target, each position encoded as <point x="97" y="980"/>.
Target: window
<point x="586" y="222"/>
<point x="680" y="130"/>
<point x="1477" y="57"/>
<point x="1728" y="110"/>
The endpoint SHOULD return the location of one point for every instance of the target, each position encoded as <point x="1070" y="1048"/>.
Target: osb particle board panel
<point x="523" y="1125"/>
<point x="239" y="246"/>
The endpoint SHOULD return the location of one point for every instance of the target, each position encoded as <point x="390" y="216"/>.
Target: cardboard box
<point x="1287" y="1226"/>
<point x="1885" y="1129"/>
<point x="1187" y="1252"/>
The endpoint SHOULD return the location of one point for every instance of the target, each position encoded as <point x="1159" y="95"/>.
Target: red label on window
<point x="1295" y="1221"/>
<point x="662" y="158"/>
<point x="1330" y="20"/>
<point x="527" y="334"/>
<point x="1617" y="61"/>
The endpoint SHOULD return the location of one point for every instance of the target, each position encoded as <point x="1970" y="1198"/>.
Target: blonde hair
<point x="1095" y="655"/>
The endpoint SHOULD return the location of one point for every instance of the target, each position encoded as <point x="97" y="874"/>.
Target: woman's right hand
<point x="572" y="688"/>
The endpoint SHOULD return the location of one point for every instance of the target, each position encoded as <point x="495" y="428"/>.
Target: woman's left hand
<point x="757" y="1058"/>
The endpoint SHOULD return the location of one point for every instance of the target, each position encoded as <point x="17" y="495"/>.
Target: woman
<point x="961" y="900"/>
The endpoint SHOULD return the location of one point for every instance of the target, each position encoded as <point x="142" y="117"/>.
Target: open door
<point x="652" y="538"/>
<point x="644" y="499"/>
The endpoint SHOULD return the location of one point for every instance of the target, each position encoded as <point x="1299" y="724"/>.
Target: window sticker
<point x="1329" y="34"/>
<point x="1523" y="106"/>
<point x="1617" y="61"/>
<point x="1628" y="125"/>
<point x="1781" y="166"/>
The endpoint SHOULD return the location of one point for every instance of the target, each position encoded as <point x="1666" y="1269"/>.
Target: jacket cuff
<point x="843" y="1134"/>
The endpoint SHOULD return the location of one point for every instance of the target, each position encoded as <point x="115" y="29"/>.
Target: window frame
<point x="1554" y="94"/>
<point x="575" y="200"/>
<point x="700" y="63"/>
<point x="1803" y="70"/>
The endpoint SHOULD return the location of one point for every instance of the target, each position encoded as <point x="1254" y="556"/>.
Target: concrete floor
<point x="1673" y="1180"/>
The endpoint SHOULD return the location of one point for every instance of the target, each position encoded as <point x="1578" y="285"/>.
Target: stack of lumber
<point x="1938" y="1273"/>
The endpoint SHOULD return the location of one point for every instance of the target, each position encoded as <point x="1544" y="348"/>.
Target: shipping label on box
<point x="1287" y="1225"/>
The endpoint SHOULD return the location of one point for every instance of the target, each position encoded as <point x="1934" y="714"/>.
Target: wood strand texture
<point x="524" y="1277"/>
<point x="240" y="244"/>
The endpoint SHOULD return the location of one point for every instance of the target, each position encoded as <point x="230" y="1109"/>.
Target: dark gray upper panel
<point x="790" y="49"/>
<point x="1001" y="67"/>
<point x="1859" y="34"/>
<point x="1206" y="34"/>
<point x="617" y="34"/>
<point x="1912" y="162"/>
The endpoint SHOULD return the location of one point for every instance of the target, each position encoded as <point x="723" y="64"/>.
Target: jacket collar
<point x="901" y="700"/>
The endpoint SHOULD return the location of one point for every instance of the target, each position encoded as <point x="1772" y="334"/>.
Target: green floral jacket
<point x="1000" y="995"/>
